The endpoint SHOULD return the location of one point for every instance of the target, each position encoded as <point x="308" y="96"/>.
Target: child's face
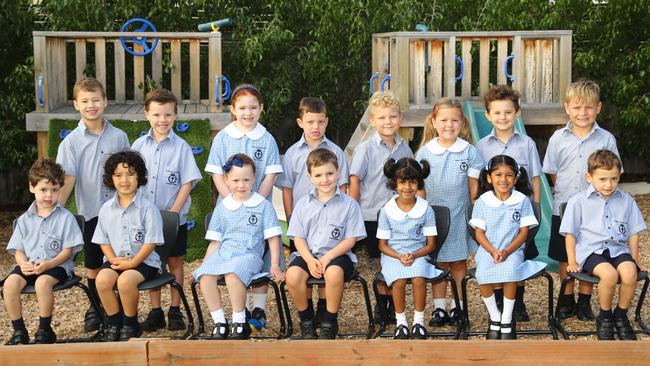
<point x="582" y="113"/>
<point x="386" y="120"/>
<point x="91" y="105"/>
<point x="447" y="123"/>
<point x="161" y="117"/>
<point x="125" y="180"/>
<point x="503" y="179"/>
<point x="406" y="188"/>
<point x="605" y="181"/>
<point x="46" y="193"/>
<point x="502" y="115"/>
<point x="313" y="125"/>
<point x="324" y="178"/>
<point x="247" y="110"/>
<point x="240" y="181"/>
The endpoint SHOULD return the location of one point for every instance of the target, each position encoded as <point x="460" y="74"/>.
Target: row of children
<point x="324" y="222"/>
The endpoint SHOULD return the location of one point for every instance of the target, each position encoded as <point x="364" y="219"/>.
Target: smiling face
<point x="313" y="125"/>
<point x="125" y="180"/>
<point x="161" y="118"/>
<point x="406" y="188"/>
<point x="386" y="120"/>
<point x="91" y="105"/>
<point x="46" y="194"/>
<point x="247" y="110"/>
<point x="502" y="115"/>
<point x="503" y="179"/>
<point x="324" y="178"/>
<point x="605" y="181"/>
<point x="240" y="181"/>
<point x="582" y="113"/>
<point x="447" y="123"/>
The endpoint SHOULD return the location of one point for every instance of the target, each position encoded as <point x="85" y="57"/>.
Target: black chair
<point x="257" y="281"/>
<point x="594" y="280"/>
<point x="73" y="281"/>
<point x="471" y="273"/>
<point x="443" y="219"/>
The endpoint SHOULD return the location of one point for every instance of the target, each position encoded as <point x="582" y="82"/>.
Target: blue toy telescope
<point x="213" y="26"/>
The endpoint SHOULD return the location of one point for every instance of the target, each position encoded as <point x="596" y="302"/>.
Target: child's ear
<point x="32" y="189"/>
<point x="231" y="108"/>
<point x="599" y="106"/>
<point x="588" y="177"/>
<point x="299" y="121"/>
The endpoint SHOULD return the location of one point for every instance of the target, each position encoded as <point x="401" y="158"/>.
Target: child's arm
<point x="315" y="267"/>
<point x="537" y="194"/>
<point x="355" y="188"/>
<point x="344" y="188"/>
<point x="139" y="257"/>
<point x="41" y="266"/>
<point x="66" y="189"/>
<point x="633" y="241"/>
<point x="26" y="267"/>
<point x="266" y="188"/>
<point x="341" y="248"/>
<point x="181" y="198"/>
<point x="570" y="243"/>
<point x="384" y="248"/>
<point x="485" y="243"/>
<point x="426" y="249"/>
<point x="552" y="178"/>
<point x="473" y="189"/>
<point x="276" y="247"/>
<point x="517" y="242"/>
<point x="220" y="183"/>
<point x="287" y="202"/>
<point x="213" y="247"/>
<point x="422" y="193"/>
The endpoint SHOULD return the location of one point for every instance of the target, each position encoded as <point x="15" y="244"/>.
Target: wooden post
<point x="518" y="63"/>
<point x="529" y="54"/>
<point x="40" y="71"/>
<point x="466" y="82"/>
<point x="120" y="87"/>
<point x="195" y="71"/>
<point x="547" y="85"/>
<point x="138" y="74"/>
<point x="214" y="70"/>
<point x="100" y="60"/>
<point x="176" y="72"/>
<point x="484" y="66"/>
<point x="565" y="65"/>
<point x="502" y="54"/>
<point x="380" y="59"/>
<point x="435" y="76"/>
<point x="156" y="64"/>
<point x="450" y="68"/>
<point x="417" y="72"/>
<point x="80" y="57"/>
<point x="399" y="69"/>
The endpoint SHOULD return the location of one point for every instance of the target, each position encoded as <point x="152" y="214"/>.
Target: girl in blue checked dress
<point x="501" y="217"/>
<point x="406" y="231"/>
<point x="239" y="225"/>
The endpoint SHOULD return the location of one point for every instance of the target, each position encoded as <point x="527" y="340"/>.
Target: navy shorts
<point x="180" y="248"/>
<point x="147" y="271"/>
<point x="370" y="241"/>
<point x="595" y="259"/>
<point x="57" y="272"/>
<point x="342" y="261"/>
<point x="93" y="255"/>
<point x="556" y="243"/>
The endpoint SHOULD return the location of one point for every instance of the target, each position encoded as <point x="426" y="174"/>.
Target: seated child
<point x="602" y="226"/>
<point x="239" y="225"/>
<point x="324" y="227"/>
<point x="501" y="218"/>
<point x="44" y="241"/>
<point x="406" y="231"/>
<point x="128" y="230"/>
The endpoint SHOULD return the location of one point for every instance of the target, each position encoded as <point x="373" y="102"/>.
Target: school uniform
<point x="258" y="144"/>
<point x="448" y="186"/>
<point x="600" y="224"/>
<point x="501" y="221"/>
<point x="240" y="228"/>
<point x="406" y="232"/>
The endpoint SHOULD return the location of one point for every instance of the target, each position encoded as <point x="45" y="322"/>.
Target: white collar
<point x="235" y="132"/>
<point x="394" y="212"/>
<point x="232" y="205"/>
<point x="438" y="149"/>
<point x="491" y="200"/>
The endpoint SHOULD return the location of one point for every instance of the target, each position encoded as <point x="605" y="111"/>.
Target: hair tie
<point x="246" y="87"/>
<point x="235" y="160"/>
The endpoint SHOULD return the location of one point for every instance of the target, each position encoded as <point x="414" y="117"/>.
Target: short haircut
<point x="384" y="99"/>
<point x="320" y="157"/>
<point x="46" y="169"/>
<point x="406" y="169"/>
<point x="311" y="105"/>
<point x="129" y="158"/>
<point x="583" y="90"/>
<point x="161" y="96"/>
<point x="603" y="159"/>
<point x="88" y="85"/>
<point x="501" y="92"/>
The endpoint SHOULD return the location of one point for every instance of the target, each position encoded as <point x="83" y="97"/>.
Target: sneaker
<point x="454" y="316"/>
<point x="91" y="320"/>
<point x="45" y="336"/>
<point x="127" y="332"/>
<point x="112" y="333"/>
<point x="624" y="329"/>
<point x="565" y="307"/>
<point x="492" y="334"/>
<point x="219" y="331"/>
<point x="20" y="336"/>
<point x="439" y="318"/>
<point x="510" y="335"/>
<point x="604" y="329"/>
<point x="240" y="331"/>
<point x="258" y="319"/>
<point x="419" y="332"/>
<point x="175" y="319"/>
<point x="308" y="329"/>
<point x="328" y="330"/>
<point x="402" y="332"/>
<point x="155" y="320"/>
<point x="584" y="312"/>
<point x="519" y="313"/>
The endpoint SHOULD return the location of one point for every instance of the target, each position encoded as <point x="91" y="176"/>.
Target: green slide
<point x="481" y="127"/>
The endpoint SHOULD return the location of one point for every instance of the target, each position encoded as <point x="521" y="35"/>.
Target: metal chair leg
<point x="188" y="312"/>
<point x="558" y="321"/>
<point x="283" y="292"/>
<point x="454" y="291"/>
<point x="639" y="305"/>
<point x="366" y="295"/>
<point x="381" y="307"/>
<point x="550" y="317"/>
<point x="199" y="313"/>
<point x="465" y="320"/>
<point x="279" y="304"/>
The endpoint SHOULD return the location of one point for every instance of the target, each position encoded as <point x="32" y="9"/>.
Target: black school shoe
<point x="565" y="307"/>
<point x="605" y="329"/>
<point x="513" y="331"/>
<point x="240" y="331"/>
<point x="219" y="331"/>
<point x="418" y="331"/>
<point x="175" y="320"/>
<point x="328" y="330"/>
<point x="45" y="336"/>
<point x="308" y="329"/>
<point x="439" y="318"/>
<point x="492" y="334"/>
<point x="91" y="320"/>
<point x="454" y="316"/>
<point x="155" y="320"/>
<point x="258" y="319"/>
<point x="624" y="329"/>
<point x="519" y="313"/>
<point x="584" y="312"/>
<point x="402" y="332"/>
<point x="127" y="332"/>
<point x="20" y="336"/>
<point x="112" y="333"/>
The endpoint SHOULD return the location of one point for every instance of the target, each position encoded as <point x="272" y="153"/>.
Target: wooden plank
<point x="201" y="108"/>
<point x="450" y="68"/>
<point x="484" y="66"/>
<point x="556" y="70"/>
<point x="518" y="63"/>
<point x="40" y="70"/>
<point x="502" y="54"/>
<point x="100" y="60"/>
<point x="417" y="72"/>
<point x="41" y="144"/>
<point x="399" y="70"/>
<point x="80" y="57"/>
<point x="134" y="109"/>
<point x="466" y="81"/>
<point x="380" y="60"/>
<point x="214" y="71"/>
<point x="156" y="64"/>
<point x="161" y="35"/>
<point x="435" y="60"/>
<point x="190" y="108"/>
<point x="477" y="34"/>
<point x="565" y="65"/>
<point x="176" y="71"/>
<point x="546" y="79"/>
<point x="529" y="90"/>
<point x="538" y="70"/>
<point x="120" y="83"/>
<point x="195" y="71"/>
<point x="113" y="353"/>
<point x="56" y="73"/>
<point x="138" y="74"/>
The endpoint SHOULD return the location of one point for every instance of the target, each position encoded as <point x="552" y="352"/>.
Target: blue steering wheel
<point x="142" y="41"/>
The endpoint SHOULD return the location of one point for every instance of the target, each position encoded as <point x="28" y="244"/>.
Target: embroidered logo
<point x="464" y="166"/>
<point x="335" y="234"/>
<point x="622" y="229"/>
<point x="55" y="245"/>
<point x="139" y="237"/>
<point x="419" y="230"/>
<point x="516" y="216"/>
<point x="258" y="154"/>
<point x="172" y="179"/>
<point x="252" y="219"/>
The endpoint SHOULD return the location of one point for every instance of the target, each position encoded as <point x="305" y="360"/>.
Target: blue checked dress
<point x="501" y="221"/>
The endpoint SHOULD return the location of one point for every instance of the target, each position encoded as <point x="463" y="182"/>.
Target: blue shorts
<point x="595" y="259"/>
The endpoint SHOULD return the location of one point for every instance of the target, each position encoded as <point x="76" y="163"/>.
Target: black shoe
<point x="308" y="329"/>
<point x="419" y="332"/>
<point x="391" y="313"/>
<point x="439" y="318"/>
<point x="240" y="331"/>
<point x="379" y="314"/>
<point x="605" y="329"/>
<point x="565" y="307"/>
<point x="219" y="331"/>
<point x="402" y="332"/>
<point x="155" y="320"/>
<point x="584" y="312"/>
<point x="20" y="336"/>
<point x="258" y="319"/>
<point x="45" y="336"/>
<point x="328" y="330"/>
<point x="91" y="320"/>
<point x="175" y="319"/>
<point x="491" y="333"/>
<point x="519" y="313"/>
<point x="513" y="331"/>
<point x="454" y="316"/>
<point x="624" y="330"/>
<point x="127" y="332"/>
<point x="112" y="333"/>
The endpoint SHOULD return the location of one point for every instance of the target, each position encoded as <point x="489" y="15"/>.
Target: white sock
<point x="218" y="316"/>
<point x="493" y="310"/>
<point x="239" y="317"/>
<point x="401" y="319"/>
<point x="508" y="306"/>
<point x="259" y="301"/>
<point x="418" y="318"/>
<point x="454" y="305"/>
<point x="439" y="304"/>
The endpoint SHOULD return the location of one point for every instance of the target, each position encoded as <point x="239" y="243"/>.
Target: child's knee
<point x="398" y="285"/>
<point x="105" y="280"/>
<point x="627" y="272"/>
<point x="333" y="275"/>
<point x="296" y="276"/>
<point x="44" y="284"/>
<point x="14" y="284"/>
<point x="419" y="282"/>
<point x="129" y="280"/>
<point x="608" y="277"/>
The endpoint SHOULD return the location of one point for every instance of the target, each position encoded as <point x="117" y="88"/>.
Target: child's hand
<point x="191" y="278"/>
<point x="277" y="273"/>
<point x="406" y="259"/>
<point x="642" y="267"/>
<point x="27" y="268"/>
<point x="315" y="268"/>
<point x="573" y="267"/>
<point x="123" y="265"/>
<point x="41" y="266"/>
<point x="503" y="255"/>
<point x="324" y="261"/>
<point x="496" y="256"/>
<point x="117" y="260"/>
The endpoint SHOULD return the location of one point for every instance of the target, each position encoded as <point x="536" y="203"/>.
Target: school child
<point x="501" y="217"/>
<point x="294" y="180"/>
<point x="406" y="233"/>
<point x="43" y="243"/>
<point x="239" y="225"/>
<point x="128" y="230"/>
<point x="367" y="179"/>
<point x="325" y="226"/>
<point x="172" y="175"/>
<point x="502" y="109"/>
<point x="82" y="155"/>
<point x="453" y="183"/>
<point x="247" y="136"/>
<point x="566" y="164"/>
<point x="602" y="225"/>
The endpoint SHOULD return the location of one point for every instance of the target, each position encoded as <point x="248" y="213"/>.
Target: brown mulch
<point x="70" y="305"/>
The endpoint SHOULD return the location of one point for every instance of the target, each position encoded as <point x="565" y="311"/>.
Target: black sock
<point x="18" y="324"/>
<point x="93" y="290"/>
<point x="131" y="321"/>
<point x="389" y="305"/>
<point x="115" y="319"/>
<point x="606" y="314"/>
<point x="519" y="295"/>
<point x="157" y="310"/>
<point x="175" y="308"/>
<point x="330" y="317"/>
<point x="322" y="304"/>
<point x="498" y="295"/>
<point x="584" y="298"/>
<point x="310" y="303"/>
<point x="307" y="314"/>
<point x="45" y="322"/>
<point x="620" y="313"/>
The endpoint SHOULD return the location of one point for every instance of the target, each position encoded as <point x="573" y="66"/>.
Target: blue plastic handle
<point x="462" y="68"/>
<point x="196" y="150"/>
<point x="226" y="89"/>
<point x="63" y="133"/>
<point x="217" y="88"/>
<point x="182" y="127"/>
<point x="41" y="102"/>
<point x="139" y="40"/>
<point x="372" y="80"/>
<point x="421" y="27"/>
<point x="142" y="133"/>
<point x="505" y="67"/>
<point x="383" y="82"/>
<point x="191" y="224"/>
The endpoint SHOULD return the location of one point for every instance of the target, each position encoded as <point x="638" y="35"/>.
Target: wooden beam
<point x="40" y="70"/>
<point x="176" y="71"/>
<point x="120" y="83"/>
<point x="466" y="81"/>
<point x="565" y="65"/>
<point x="138" y="74"/>
<point x="450" y="68"/>
<point x="435" y="76"/>
<point x="484" y="66"/>
<point x="156" y="64"/>
<point x="417" y="72"/>
<point x="195" y="71"/>
<point x="214" y="70"/>
<point x="100" y="61"/>
<point x="80" y="57"/>
<point x="113" y="353"/>
<point x="502" y="54"/>
<point x="399" y="70"/>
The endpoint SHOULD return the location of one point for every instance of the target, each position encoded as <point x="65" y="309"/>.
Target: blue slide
<point x="481" y="127"/>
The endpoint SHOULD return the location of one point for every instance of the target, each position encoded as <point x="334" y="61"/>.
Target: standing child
<point x="455" y="166"/>
<point x="367" y="179"/>
<point x="82" y="155"/>
<point x="128" y="230"/>
<point x="566" y="164"/>
<point x="238" y="227"/>
<point x="325" y="226"/>
<point x="406" y="233"/>
<point x="245" y="135"/>
<point x="602" y="226"/>
<point x="501" y="218"/>
<point x="502" y="109"/>
<point x="172" y="175"/>
<point x="43" y="242"/>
